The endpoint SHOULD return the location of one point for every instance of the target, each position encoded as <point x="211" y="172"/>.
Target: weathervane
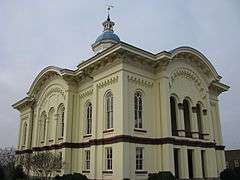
<point x="109" y="7"/>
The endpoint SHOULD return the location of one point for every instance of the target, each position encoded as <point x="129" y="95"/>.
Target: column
<point x="197" y="163"/>
<point x="183" y="163"/>
<point x="218" y="124"/>
<point x="56" y="128"/>
<point x="167" y="158"/>
<point x="47" y="131"/>
<point x="205" y="123"/>
<point x="180" y="121"/>
<point x="194" y="123"/>
<point x="210" y="120"/>
<point x="67" y="159"/>
<point x="211" y="164"/>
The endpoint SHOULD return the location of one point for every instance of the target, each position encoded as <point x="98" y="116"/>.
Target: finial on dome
<point x="108" y="24"/>
<point x="108" y="11"/>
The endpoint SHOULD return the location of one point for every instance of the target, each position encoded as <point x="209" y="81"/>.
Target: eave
<point x="25" y="102"/>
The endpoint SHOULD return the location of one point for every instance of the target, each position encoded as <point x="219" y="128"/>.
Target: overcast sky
<point x="35" y="34"/>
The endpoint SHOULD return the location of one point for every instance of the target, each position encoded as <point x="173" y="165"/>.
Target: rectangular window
<point x="139" y="158"/>
<point x="108" y="158"/>
<point x="176" y="163"/>
<point x="203" y="156"/>
<point x="190" y="163"/>
<point x="87" y="160"/>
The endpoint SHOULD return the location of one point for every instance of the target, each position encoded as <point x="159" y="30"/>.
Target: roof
<point x="122" y="46"/>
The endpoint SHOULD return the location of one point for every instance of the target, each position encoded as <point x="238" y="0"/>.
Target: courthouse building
<point x="126" y="112"/>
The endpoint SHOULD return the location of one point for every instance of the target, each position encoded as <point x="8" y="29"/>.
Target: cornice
<point x="157" y="61"/>
<point x="216" y="88"/>
<point x="24" y="103"/>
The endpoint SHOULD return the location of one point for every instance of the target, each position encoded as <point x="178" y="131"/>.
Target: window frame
<point x="139" y="159"/>
<point x="87" y="159"/>
<point x="88" y="129"/>
<point x="60" y="121"/>
<point x="138" y="109"/>
<point x="187" y="118"/>
<point x="109" y="110"/>
<point x="108" y="159"/>
<point x="174" y="115"/>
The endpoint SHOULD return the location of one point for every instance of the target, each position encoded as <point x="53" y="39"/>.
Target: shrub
<point x="228" y="174"/>
<point x="75" y="176"/>
<point x="18" y="172"/>
<point x="164" y="175"/>
<point x="2" y="175"/>
<point x="237" y="172"/>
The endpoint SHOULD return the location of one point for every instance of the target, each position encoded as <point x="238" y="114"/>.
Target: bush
<point x="2" y="175"/>
<point x="75" y="176"/>
<point x="18" y="172"/>
<point x="228" y="174"/>
<point x="237" y="172"/>
<point x="165" y="175"/>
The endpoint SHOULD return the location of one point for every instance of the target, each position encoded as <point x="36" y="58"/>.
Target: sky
<point x="36" y="34"/>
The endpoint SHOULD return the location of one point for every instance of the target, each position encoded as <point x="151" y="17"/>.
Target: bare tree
<point x="43" y="164"/>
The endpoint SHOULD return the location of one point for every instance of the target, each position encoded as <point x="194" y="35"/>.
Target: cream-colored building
<point x="125" y="113"/>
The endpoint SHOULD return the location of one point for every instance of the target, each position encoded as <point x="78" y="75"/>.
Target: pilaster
<point x="164" y="106"/>
<point x="20" y="135"/>
<point x="30" y="129"/>
<point x="69" y="113"/>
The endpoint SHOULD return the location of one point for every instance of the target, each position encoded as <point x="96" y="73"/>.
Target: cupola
<point x="107" y="38"/>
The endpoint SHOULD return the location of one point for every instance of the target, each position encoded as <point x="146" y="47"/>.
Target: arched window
<point x="89" y="118"/>
<point x="138" y="109"/>
<point x="187" y="118"/>
<point x="109" y="110"/>
<point x="43" y="126"/>
<point x="173" y="115"/>
<point x="199" y="120"/>
<point x="24" y="133"/>
<point x="61" y="115"/>
<point x="50" y="124"/>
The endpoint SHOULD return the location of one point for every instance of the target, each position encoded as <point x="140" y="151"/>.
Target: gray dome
<point x="108" y="35"/>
